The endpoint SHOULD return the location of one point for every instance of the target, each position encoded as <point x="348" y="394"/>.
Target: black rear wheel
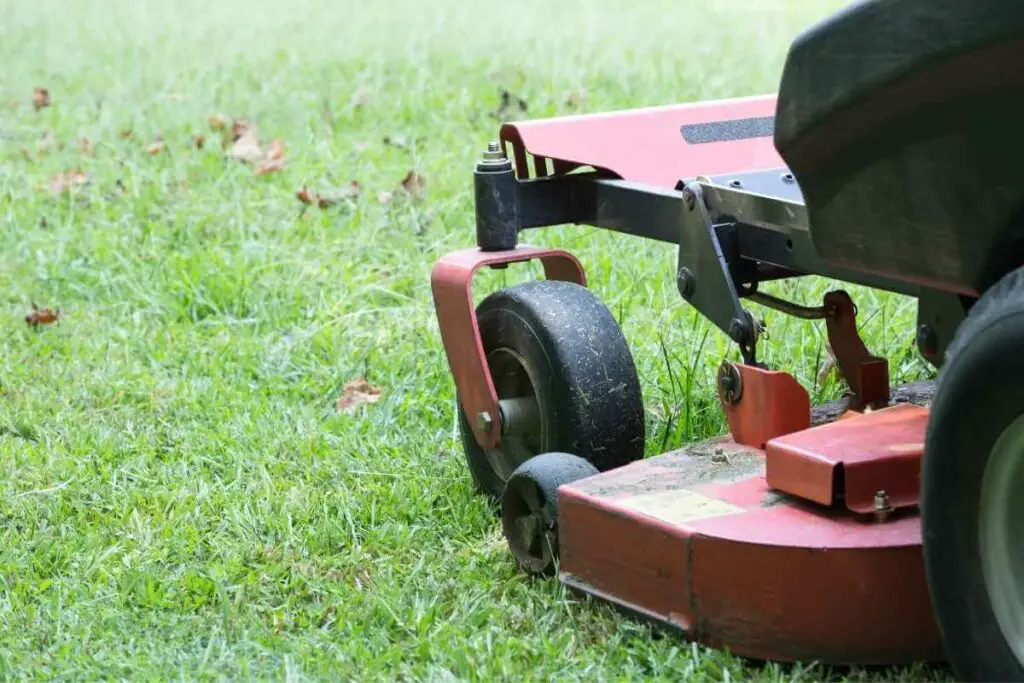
<point x="565" y="378"/>
<point x="972" y="490"/>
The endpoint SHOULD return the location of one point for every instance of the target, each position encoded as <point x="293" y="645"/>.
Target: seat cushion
<point x="875" y="42"/>
<point x="902" y="122"/>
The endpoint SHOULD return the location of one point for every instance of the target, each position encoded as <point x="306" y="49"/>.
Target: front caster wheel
<point x="529" y="510"/>
<point x="972" y="490"/>
<point x="565" y="380"/>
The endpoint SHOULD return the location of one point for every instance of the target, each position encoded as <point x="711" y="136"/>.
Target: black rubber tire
<point x="978" y="394"/>
<point x="582" y="374"/>
<point x="529" y="510"/>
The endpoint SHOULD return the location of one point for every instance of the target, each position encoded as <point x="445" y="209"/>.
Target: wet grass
<point x="180" y="495"/>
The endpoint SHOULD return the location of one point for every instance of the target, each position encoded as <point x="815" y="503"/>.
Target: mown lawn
<point x="181" y="496"/>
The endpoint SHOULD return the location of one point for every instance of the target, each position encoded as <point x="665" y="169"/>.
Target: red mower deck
<point x="697" y="539"/>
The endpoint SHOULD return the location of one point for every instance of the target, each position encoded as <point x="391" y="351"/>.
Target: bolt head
<point x="484" y="421"/>
<point x="687" y="282"/>
<point x="689" y="198"/>
<point x="730" y="383"/>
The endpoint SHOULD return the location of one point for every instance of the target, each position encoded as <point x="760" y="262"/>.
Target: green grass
<point x="180" y="497"/>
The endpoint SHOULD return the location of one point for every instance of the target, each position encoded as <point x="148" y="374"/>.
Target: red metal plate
<point x="771" y="403"/>
<point x="864" y="454"/>
<point x="646" y="145"/>
<point x="451" y="283"/>
<point x="699" y="541"/>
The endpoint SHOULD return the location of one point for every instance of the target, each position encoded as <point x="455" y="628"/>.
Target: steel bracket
<point x="704" y="276"/>
<point x="451" y="285"/>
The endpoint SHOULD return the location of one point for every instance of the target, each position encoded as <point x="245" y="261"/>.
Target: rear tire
<point x="972" y="490"/>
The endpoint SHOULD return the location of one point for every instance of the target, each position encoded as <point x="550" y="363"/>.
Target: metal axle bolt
<point x="494" y="152"/>
<point x="484" y="421"/>
<point x="883" y="506"/>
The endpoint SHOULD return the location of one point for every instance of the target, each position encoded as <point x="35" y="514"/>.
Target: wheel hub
<point x="514" y="385"/>
<point x="1002" y="544"/>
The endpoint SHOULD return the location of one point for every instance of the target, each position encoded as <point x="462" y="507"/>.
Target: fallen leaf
<point x="239" y="127"/>
<point x="25" y="153"/>
<point x="42" y="316"/>
<point x="358" y="97"/>
<point x="401" y="142"/>
<point x="414" y="184"/>
<point x="329" y="197"/>
<point x="85" y="146"/>
<point x="46" y="142"/>
<point x="269" y="165"/>
<point x="247" y="147"/>
<point x="217" y="122"/>
<point x="356" y="393"/>
<point x="40" y="98"/>
<point x="68" y="180"/>
<point x="198" y="140"/>
<point x="507" y="102"/>
<point x="125" y="133"/>
<point x="155" y="148"/>
<point x="575" y="98"/>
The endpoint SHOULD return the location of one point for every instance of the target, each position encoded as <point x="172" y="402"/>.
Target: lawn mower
<point x="882" y="529"/>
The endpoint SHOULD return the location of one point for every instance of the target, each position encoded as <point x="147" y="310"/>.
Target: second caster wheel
<point x="565" y="380"/>
<point x="529" y="511"/>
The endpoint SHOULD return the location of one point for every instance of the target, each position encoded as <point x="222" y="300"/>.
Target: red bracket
<point x="761" y="404"/>
<point x="451" y="283"/>
<point x="867" y="375"/>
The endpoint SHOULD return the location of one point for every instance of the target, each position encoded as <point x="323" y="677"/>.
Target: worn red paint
<point x="867" y="375"/>
<point x="855" y="457"/>
<point x="776" y="578"/>
<point x="451" y="285"/>
<point x="644" y="145"/>
<point x="772" y="403"/>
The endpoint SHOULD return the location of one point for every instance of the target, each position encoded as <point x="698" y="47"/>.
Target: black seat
<point x="899" y="100"/>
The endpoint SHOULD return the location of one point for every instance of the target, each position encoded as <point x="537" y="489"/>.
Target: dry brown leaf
<point x="85" y="146"/>
<point x="247" y="147"/>
<point x="125" y="133"/>
<point x="356" y="393"/>
<point x="402" y="142"/>
<point x="269" y="165"/>
<point x="46" y="142"/>
<point x="508" y="102"/>
<point x="40" y="98"/>
<point x="240" y="127"/>
<point x="414" y="184"/>
<point x="358" y="97"/>
<point x="42" y="316"/>
<point x="329" y="197"/>
<point x="575" y="98"/>
<point x="198" y="140"/>
<point x="68" y="180"/>
<point x="217" y="122"/>
<point x="155" y="148"/>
